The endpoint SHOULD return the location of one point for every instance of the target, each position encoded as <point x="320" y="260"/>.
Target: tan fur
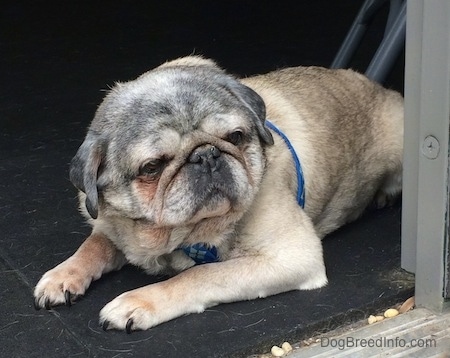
<point x="346" y="130"/>
<point x="320" y="147"/>
<point x="96" y="256"/>
<point x="146" y="188"/>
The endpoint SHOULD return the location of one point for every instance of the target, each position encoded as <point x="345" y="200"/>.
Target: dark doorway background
<point x="57" y="59"/>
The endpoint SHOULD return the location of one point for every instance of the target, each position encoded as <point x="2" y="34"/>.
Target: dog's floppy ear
<point x="255" y="104"/>
<point x="84" y="170"/>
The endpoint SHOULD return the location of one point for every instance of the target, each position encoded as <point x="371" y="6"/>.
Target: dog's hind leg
<point x="389" y="191"/>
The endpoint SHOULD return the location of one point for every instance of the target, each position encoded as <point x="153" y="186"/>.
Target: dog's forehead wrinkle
<point x="177" y="97"/>
<point x="176" y="102"/>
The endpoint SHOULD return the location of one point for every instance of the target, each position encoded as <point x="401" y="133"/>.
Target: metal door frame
<point x="425" y="222"/>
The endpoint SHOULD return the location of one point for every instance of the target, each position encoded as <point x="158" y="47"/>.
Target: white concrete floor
<point x="417" y="333"/>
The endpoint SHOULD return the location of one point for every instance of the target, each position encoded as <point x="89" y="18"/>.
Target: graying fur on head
<point x="178" y="98"/>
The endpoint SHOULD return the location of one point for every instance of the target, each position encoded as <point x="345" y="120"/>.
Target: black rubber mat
<point x="56" y="58"/>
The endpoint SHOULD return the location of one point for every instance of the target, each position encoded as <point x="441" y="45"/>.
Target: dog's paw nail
<point x="128" y="327"/>
<point x="67" y="298"/>
<point x="105" y="325"/>
<point x="47" y="304"/>
<point x="37" y="306"/>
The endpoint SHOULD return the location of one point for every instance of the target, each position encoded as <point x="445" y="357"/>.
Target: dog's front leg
<point x="70" y="279"/>
<point x="273" y="270"/>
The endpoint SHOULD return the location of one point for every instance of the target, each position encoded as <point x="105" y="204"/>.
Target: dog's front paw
<point x="130" y="311"/>
<point x="146" y="307"/>
<point x="61" y="285"/>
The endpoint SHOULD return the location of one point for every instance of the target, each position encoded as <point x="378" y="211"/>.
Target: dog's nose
<point x="206" y="156"/>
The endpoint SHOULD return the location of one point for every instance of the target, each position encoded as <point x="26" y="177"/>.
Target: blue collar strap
<point x="204" y="254"/>
<point x="201" y="253"/>
<point x="298" y="167"/>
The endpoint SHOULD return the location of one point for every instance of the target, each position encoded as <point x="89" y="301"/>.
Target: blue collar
<point x="202" y="253"/>
<point x="298" y="167"/>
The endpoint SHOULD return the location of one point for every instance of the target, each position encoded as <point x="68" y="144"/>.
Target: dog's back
<point x="348" y="132"/>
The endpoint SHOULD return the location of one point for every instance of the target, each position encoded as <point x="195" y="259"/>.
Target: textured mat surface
<point x="56" y="59"/>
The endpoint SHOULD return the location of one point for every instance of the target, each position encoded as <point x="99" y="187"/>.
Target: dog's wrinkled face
<point x="180" y="144"/>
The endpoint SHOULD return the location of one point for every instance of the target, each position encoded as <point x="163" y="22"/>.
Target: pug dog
<point x="181" y="173"/>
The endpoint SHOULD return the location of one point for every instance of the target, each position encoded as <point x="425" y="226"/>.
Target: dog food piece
<point x="277" y="351"/>
<point x="391" y="312"/>
<point x="372" y="319"/>
<point x="286" y="347"/>
<point x="379" y="318"/>
<point x="407" y="305"/>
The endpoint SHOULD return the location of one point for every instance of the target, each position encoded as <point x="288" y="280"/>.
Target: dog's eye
<point x="152" y="168"/>
<point x="236" y="137"/>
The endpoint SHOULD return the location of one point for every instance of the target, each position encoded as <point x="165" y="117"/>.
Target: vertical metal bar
<point x="394" y="9"/>
<point x="413" y="61"/>
<point x="389" y="49"/>
<point x="433" y="145"/>
<point x="447" y="244"/>
<point x="356" y="33"/>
